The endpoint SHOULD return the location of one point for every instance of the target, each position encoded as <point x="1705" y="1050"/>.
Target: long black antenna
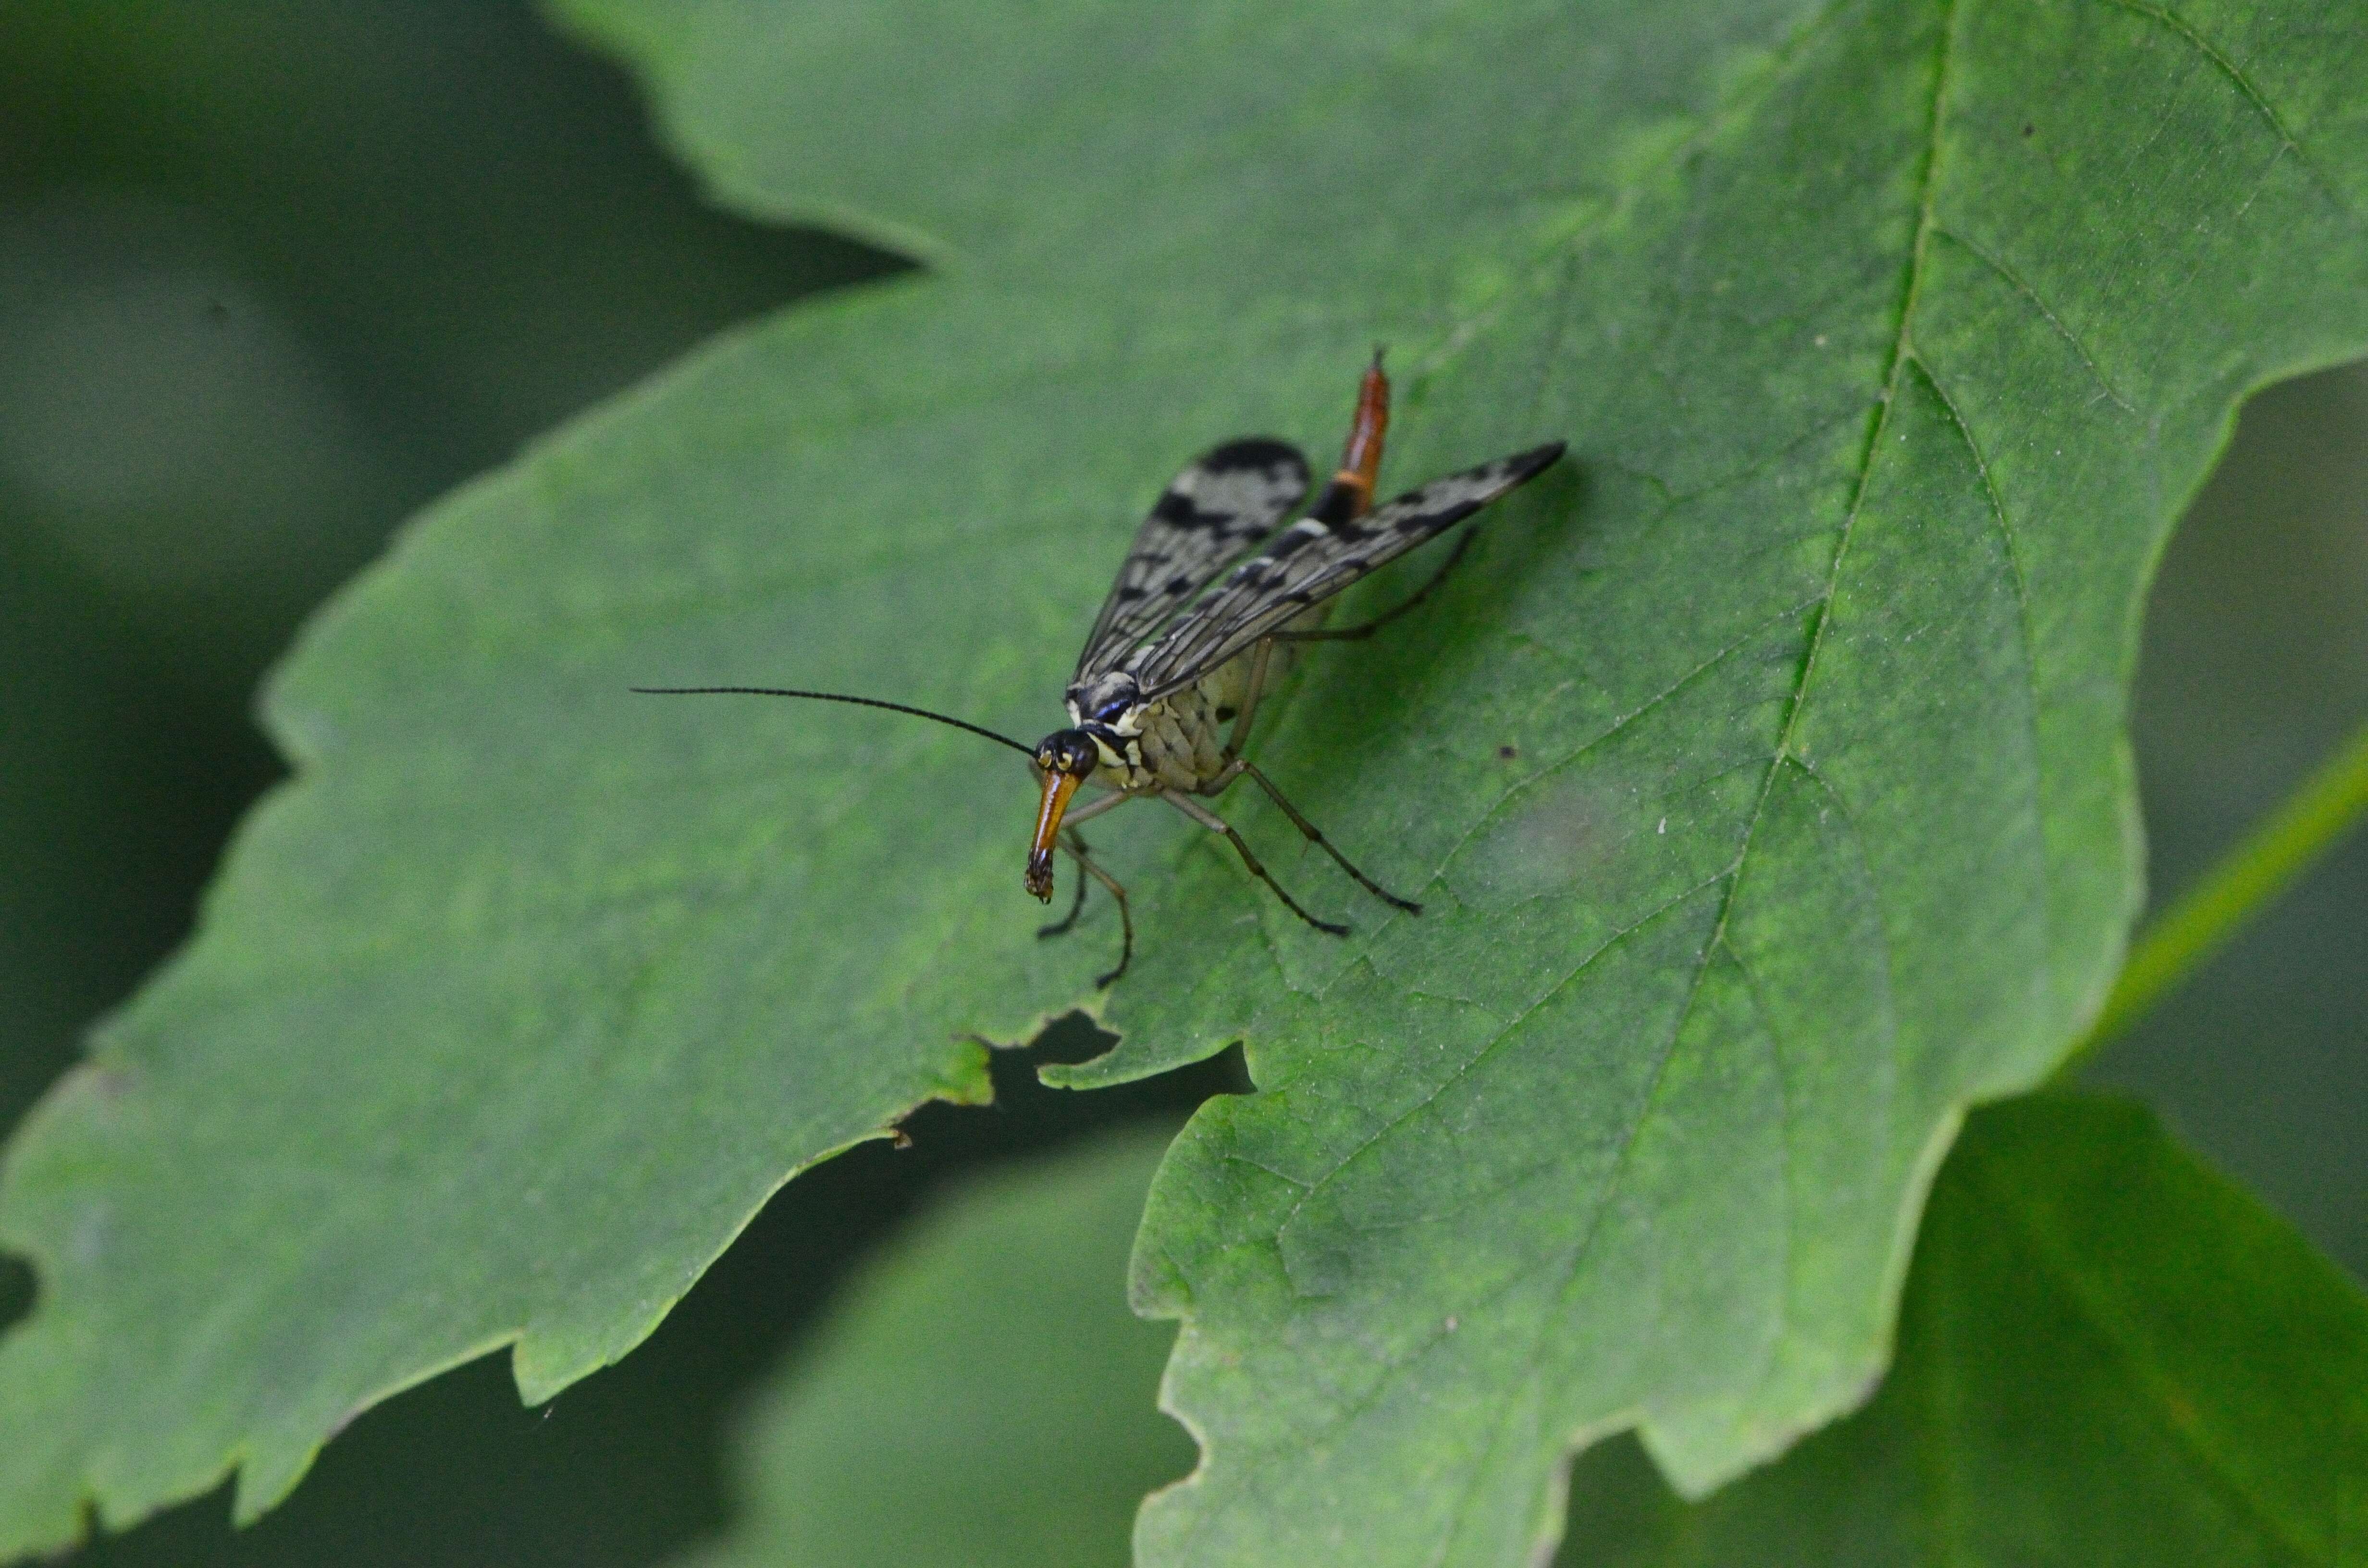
<point x="1026" y="751"/>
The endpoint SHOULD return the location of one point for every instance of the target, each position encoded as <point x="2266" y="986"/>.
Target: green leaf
<point x="1762" y="772"/>
<point x="2107" y="1354"/>
<point x="981" y="1397"/>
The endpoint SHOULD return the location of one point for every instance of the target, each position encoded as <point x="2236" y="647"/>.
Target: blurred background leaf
<point x="392" y="191"/>
<point x="980" y="1395"/>
<point x="2108" y="1356"/>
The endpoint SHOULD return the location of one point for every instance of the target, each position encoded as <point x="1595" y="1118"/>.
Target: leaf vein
<point x="2183" y="29"/>
<point x="2030" y="295"/>
<point x="1874" y="892"/>
<point x="1788" y="1236"/>
<point x="1465" y="1068"/>
<point x="2027" y="631"/>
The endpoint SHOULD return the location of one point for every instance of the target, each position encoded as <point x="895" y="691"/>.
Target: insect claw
<point x="1330" y="929"/>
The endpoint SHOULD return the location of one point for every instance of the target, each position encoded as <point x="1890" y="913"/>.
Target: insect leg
<point x="1093" y="809"/>
<point x="1316" y="838"/>
<point x="1076" y="848"/>
<point x="1252" y="689"/>
<point x="1217" y="823"/>
<point x="1351" y="633"/>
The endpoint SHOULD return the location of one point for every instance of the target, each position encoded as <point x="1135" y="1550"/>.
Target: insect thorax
<point x="1176" y="741"/>
<point x="1109" y="700"/>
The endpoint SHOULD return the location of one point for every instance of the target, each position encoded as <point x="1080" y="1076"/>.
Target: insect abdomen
<point x="1183" y="742"/>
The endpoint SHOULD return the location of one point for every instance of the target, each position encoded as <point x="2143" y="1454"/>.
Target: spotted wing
<point x="1310" y="561"/>
<point x="1220" y="505"/>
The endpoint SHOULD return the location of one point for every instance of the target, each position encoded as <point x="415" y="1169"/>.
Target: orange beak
<point x="1059" y="785"/>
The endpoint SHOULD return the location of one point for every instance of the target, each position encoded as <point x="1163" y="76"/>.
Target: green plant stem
<point x="2280" y="848"/>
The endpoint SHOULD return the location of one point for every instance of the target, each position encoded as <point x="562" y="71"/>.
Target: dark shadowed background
<point x="274" y="273"/>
